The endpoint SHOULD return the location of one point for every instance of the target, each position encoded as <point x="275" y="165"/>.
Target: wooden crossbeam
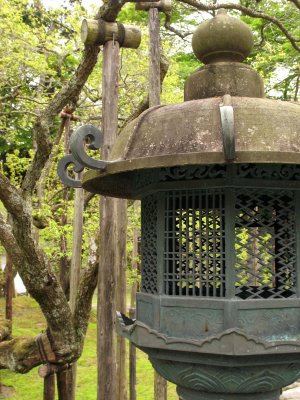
<point x="97" y="31"/>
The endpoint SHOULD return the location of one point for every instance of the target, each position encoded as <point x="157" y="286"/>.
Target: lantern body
<point x="219" y="309"/>
<point x="219" y="287"/>
<point x="219" y="182"/>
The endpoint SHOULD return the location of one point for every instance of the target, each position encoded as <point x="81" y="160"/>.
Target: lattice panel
<point x="149" y="244"/>
<point x="265" y="244"/>
<point x="194" y="257"/>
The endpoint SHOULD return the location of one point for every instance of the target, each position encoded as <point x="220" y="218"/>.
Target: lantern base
<point x="188" y="394"/>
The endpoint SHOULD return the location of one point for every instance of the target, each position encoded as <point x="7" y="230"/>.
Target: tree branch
<point x="22" y="354"/>
<point x="67" y="95"/>
<point x="247" y="11"/>
<point x="171" y="28"/>
<point x="35" y="271"/>
<point x="5" y="329"/>
<point x="296" y="2"/>
<point x="110" y="10"/>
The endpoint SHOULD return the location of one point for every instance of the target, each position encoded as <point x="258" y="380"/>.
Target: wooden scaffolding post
<point x="132" y="310"/>
<point x="112" y="36"/>
<point x="107" y="271"/>
<point x="154" y="45"/>
<point x="75" y="271"/>
<point x="160" y="384"/>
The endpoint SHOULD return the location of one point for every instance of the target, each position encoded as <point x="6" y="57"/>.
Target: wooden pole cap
<point x="161" y="5"/>
<point x="98" y="32"/>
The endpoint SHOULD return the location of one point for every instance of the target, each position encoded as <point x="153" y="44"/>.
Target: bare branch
<point x="22" y="354"/>
<point x="296" y="2"/>
<point x="35" y="270"/>
<point x="67" y="95"/>
<point x="110" y="10"/>
<point x="171" y="28"/>
<point x="247" y="11"/>
<point x="24" y="112"/>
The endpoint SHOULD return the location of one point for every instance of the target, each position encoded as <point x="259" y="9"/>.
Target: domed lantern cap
<point x="192" y="133"/>
<point x="223" y="38"/>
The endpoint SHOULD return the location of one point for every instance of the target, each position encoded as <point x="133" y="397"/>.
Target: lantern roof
<point x="224" y="119"/>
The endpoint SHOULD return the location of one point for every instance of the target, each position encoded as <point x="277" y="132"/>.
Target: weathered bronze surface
<point x="222" y="78"/>
<point x="219" y="178"/>
<point x="266" y="131"/>
<point x="223" y="38"/>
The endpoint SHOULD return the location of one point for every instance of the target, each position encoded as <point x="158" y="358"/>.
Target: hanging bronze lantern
<point x="219" y="181"/>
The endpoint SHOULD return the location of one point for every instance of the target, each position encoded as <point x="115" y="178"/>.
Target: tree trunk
<point x="107" y="272"/>
<point x="5" y="329"/>
<point x="121" y="295"/>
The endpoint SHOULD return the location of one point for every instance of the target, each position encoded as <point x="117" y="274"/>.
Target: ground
<point x="28" y="320"/>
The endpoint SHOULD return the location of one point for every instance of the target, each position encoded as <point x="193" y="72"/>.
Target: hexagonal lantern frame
<point x="219" y="179"/>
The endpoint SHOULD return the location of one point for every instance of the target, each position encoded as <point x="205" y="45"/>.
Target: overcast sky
<point x="56" y="3"/>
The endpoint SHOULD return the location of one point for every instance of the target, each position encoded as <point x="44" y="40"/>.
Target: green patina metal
<point x="219" y="179"/>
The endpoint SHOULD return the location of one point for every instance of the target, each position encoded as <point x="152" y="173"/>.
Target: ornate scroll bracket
<point x="227" y="124"/>
<point x="62" y="171"/>
<point x="77" y="146"/>
<point x="79" y="157"/>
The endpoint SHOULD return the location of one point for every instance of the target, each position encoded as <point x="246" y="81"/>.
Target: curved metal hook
<point x="62" y="168"/>
<point x="77" y="146"/>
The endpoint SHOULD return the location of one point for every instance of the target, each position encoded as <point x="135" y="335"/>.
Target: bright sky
<point x="56" y="3"/>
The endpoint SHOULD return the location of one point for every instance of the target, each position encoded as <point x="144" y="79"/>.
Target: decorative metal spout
<point x="79" y="158"/>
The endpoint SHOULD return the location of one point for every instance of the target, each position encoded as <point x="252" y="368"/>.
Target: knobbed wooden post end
<point x="97" y="31"/>
<point x="161" y="5"/>
<point x="47" y="369"/>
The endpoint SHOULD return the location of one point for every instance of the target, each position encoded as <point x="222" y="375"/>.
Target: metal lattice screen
<point x="194" y="257"/>
<point x="185" y="251"/>
<point x="265" y="244"/>
<point x="149" y="244"/>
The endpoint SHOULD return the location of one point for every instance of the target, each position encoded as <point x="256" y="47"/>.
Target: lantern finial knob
<point x="222" y="38"/>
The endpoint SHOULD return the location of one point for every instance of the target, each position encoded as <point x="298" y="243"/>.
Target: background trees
<point x="44" y="69"/>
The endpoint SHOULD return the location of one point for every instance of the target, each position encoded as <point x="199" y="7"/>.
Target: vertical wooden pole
<point x="9" y="287"/>
<point x="135" y="254"/>
<point x="62" y="387"/>
<point x="75" y="271"/>
<point x="160" y="388"/>
<point x="121" y="295"/>
<point x="132" y="363"/>
<point x="132" y="348"/>
<point x="49" y="387"/>
<point x="9" y="283"/>
<point x="107" y="268"/>
<point x="64" y="272"/>
<point x="160" y="384"/>
<point x="154" y="55"/>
